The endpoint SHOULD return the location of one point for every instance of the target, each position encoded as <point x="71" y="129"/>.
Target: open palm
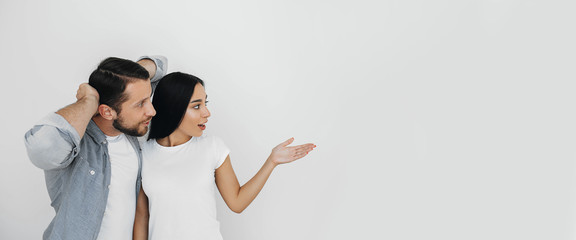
<point x="285" y="154"/>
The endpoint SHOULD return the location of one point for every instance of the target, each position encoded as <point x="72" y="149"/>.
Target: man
<point x="90" y="154"/>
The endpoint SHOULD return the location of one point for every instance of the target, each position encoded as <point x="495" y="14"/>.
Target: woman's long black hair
<point x="171" y="99"/>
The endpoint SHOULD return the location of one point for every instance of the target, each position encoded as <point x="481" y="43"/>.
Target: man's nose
<point x="150" y="111"/>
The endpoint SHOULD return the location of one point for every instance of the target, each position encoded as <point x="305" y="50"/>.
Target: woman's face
<point x="197" y="114"/>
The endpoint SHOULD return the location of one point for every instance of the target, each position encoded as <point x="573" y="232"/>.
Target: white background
<point x="448" y="119"/>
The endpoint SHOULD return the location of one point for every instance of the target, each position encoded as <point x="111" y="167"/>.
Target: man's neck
<point x="105" y="126"/>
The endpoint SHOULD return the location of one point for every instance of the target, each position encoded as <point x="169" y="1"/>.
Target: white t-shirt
<point x="118" y="218"/>
<point x="180" y="185"/>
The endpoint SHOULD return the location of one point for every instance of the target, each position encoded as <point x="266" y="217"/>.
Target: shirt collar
<point x="94" y="131"/>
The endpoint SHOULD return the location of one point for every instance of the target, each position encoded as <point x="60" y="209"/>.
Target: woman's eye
<point x="196" y="107"/>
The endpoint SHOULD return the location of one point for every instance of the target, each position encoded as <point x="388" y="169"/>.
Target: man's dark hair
<point x="112" y="76"/>
<point x="171" y="99"/>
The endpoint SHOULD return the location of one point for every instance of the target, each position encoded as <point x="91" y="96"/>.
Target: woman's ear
<point x="106" y="112"/>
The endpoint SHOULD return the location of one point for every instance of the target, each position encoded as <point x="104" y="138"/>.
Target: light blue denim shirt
<point x="77" y="171"/>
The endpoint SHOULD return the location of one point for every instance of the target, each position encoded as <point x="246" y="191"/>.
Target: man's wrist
<point x="90" y="100"/>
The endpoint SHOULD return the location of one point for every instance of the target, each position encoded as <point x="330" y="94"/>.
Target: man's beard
<point x="131" y="131"/>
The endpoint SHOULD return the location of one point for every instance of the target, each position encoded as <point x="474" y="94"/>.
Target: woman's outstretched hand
<point x="285" y="154"/>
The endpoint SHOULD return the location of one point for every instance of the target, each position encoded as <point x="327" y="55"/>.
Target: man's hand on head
<point x="79" y="113"/>
<point x="87" y="91"/>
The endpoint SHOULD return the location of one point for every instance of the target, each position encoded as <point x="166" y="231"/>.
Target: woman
<point x="181" y="165"/>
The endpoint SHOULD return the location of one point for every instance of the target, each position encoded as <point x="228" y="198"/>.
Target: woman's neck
<point x="173" y="139"/>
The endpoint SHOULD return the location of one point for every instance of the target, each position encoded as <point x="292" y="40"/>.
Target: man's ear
<point x="106" y="112"/>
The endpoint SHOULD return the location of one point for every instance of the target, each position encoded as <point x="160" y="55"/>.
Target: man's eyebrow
<point x="141" y="100"/>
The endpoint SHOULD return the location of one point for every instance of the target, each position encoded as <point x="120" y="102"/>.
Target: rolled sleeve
<point x="52" y="143"/>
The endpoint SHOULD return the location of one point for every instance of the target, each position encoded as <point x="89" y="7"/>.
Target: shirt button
<point x="92" y="172"/>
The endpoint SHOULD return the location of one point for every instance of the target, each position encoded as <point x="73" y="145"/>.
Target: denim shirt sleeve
<point x="52" y="143"/>
<point x="161" y="68"/>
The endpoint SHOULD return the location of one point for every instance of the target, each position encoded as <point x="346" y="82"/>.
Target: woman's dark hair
<point x="171" y="99"/>
<point x="112" y="76"/>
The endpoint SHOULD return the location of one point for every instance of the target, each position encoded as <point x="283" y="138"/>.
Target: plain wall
<point x="433" y="119"/>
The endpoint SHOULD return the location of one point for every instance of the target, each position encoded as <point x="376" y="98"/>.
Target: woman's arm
<point x="239" y="197"/>
<point x="140" y="231"/>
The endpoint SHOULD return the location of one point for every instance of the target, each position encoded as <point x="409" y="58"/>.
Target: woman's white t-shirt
<point x="180" y="185"/>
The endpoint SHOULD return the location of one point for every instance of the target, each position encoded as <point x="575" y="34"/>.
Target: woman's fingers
<point x="305" y="147"/>
<point x="287" y="142"/>
<point x="284" y="153"/>
<point x="303" y="150"/>
<point x="291" y="140"/>
<point x="299" y="155"/>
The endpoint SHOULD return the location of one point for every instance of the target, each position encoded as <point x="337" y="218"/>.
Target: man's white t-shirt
<point x="118" y="220"/>
<point x="180" y="185"/>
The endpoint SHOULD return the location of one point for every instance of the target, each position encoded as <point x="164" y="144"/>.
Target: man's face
<point x="137" y="111"/>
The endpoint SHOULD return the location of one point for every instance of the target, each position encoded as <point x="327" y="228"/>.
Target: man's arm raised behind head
<point x="157" y="66"/>
<point x="149" y="65"/>
<point x="55" y="140"/>
<point x="79" y="113"/>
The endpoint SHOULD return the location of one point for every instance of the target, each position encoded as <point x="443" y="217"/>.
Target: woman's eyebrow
<point x="198" y="100"/>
